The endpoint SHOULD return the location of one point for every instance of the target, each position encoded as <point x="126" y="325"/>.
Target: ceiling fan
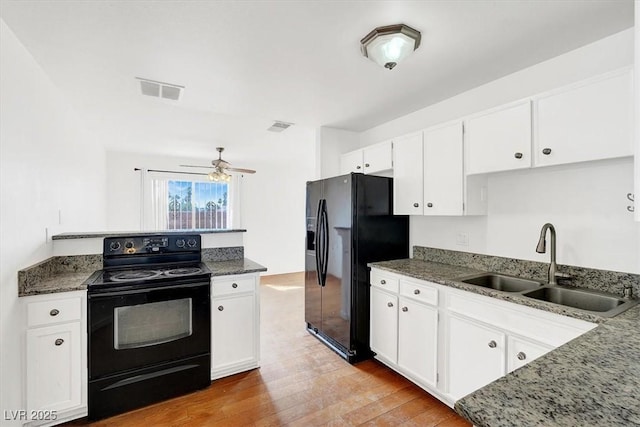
<point x="220" y="168"/>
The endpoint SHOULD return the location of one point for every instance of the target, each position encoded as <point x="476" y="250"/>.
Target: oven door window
<point x="153" y="323"/>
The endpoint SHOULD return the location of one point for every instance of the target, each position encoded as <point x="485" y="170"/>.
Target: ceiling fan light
<point x="389" y="45"/>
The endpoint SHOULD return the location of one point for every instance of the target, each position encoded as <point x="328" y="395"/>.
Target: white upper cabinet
<point x="499" y="140"/>
<point x="407" y="175"/>
<point x="589" y="121"/>
<point x="351" y="162"/>
<point x="370" y="160"/>
<point x="443" y="171"/>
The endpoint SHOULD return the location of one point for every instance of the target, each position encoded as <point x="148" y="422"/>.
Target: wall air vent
<point x="160" y="89"/>
<point x="279" y="126"/>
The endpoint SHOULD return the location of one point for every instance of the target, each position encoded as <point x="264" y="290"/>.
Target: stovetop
<point x="148" y="275"/>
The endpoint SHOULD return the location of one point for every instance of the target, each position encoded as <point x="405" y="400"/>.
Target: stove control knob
<point x="114" y="246"/>
<point x="191" y="243"/>
<point x="180" y="243"/>
<point x="128" y="245"/>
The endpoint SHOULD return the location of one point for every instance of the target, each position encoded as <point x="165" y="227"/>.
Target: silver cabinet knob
<point x="521" y="356"/>
<point x="416" y="292"/>
<point x="389" y="304"/>
<point x="54" y="312"/>
<point x="405" y="309"/>
<point x="59" y="341"/>
<point x="429" y="205"/>
<point x="493" y="344"/>
<point x="415" y="205"/>
<point x="383" y="282"/>
<point x="546" y="151"/>
<point x="358" y="167"/>
<point x="518" y="155"/>
<point x="366" y="165"/>
<point x="235" y="285"/>
<point x="220" y="308"/>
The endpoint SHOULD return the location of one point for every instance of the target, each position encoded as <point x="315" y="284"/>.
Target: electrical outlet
<point x="462" y="239"/>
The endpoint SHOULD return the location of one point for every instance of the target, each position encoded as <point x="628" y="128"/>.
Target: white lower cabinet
<point x="235" y="327"/>
<point x="452" y="342"/>
<point x="56" y="358"/>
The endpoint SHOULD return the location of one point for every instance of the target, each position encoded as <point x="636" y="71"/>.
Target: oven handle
<point x="107" y="293"/>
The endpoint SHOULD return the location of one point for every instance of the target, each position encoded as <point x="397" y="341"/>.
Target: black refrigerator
<point x="350" y="223"/>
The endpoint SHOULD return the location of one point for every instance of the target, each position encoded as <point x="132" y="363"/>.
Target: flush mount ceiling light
<point x="390" y="44"/>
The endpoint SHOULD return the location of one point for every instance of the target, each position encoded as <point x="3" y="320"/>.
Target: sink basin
<point x="603" y="304"/>
<point x="501" y="282"/>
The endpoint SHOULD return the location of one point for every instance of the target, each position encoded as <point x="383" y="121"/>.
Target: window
<point x="189" y="202"/>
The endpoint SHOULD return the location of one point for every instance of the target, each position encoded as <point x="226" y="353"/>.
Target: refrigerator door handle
<point x="325" y="246"/>
<point x="319" y="243"/>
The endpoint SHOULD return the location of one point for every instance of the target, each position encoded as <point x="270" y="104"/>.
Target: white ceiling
<point x="247" y="63"/>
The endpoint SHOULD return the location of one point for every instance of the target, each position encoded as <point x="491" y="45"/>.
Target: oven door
<point x="138" y="328"/>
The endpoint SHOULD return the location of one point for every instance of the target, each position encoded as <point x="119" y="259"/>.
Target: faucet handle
<point x="563" y="278"/>
<point x="627" y="291"/>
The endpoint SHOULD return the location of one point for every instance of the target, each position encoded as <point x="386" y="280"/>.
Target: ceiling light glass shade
<point x="389" y="45"/>
<point x="218" y="175"/>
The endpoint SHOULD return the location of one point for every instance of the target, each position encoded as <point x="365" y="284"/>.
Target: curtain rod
<point x="185" y="173"/>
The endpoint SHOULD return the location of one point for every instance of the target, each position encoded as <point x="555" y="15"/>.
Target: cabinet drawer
<point x="419" y="292"/>
<point x="384" y="281"/>
<point x="226" y="286"/>
<point x="54" y="311"/>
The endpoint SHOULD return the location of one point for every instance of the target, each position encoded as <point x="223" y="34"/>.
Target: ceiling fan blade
<point x="221" y="163"/>
<point x="196" y="166"/>
<point x="241" y="170"/>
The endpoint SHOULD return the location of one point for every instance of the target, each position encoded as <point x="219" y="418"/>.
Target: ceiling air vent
<point x="160" y="89"/>
<point x="279" y="126"/>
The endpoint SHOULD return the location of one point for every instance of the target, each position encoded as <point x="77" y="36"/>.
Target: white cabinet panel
<point x="233" y="331"/>
<point x="521" y="352"/>
<point x="377" y="158"/>
<point x="443" y="171"/>
<point x="476" y="356"/>
<point x="351" y="162"/>
<point x="407" y="175"/>
<point x="384" y="324"/>
<point x="418" y="340"/>
<point x="590" y="121"/>
<point x="499" y="140"/>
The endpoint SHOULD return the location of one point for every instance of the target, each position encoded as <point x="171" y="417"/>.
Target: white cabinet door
<point x="418" y="340"/>
<point x="233" y="331"/>
<point x="351" y="162"/>
<point x="54" y="367"/>
<point x="521" y="351"/>
<point x="377" y="158"/>
<point x="589" y="122"/>
<point x="383" y="339"/>
<point x="443" y="171"/>
<point x="500" y="140"/>
<point x="476" y="356"/>
<point x="407" y="175"/>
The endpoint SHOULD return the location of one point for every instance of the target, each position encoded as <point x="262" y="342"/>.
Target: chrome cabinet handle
<point x="405" y="309"/>
<point x="518" y="155"/>
<point x="493" y="344"/>
<point x="59" y="341"/>
<point x="235" y="285"/>
<point x="416" y="292"/>
<point x="546" y="151"/>
<point x="54" y="312"/>
<point x="366" y="165"/>
<point x="415" y="205"/>
<point x="383" y="282"/>
<point x="429" y="205"/>
<point x="389" y="304"/>
<point x="358" y="167"/>
<point x="220" y="308"/>
<point x="521" y="356"/>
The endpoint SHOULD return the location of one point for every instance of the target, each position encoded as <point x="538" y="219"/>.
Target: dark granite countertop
<point x="234" y="266"/>
<point x="591" y="381"/>
<point x="101" y="234"/>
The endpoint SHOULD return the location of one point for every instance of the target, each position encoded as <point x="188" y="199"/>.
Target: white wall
<point x="273" y="200"/>
<point x="52" y="177"/>
<point x="586" y="202"/>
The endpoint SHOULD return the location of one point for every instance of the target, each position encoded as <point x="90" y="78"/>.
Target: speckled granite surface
<point x="591" y="381"/>
<point x="601" y="280"/>
<point x="235" y="266"/>
<point x="222" y="254"/>
<point x="95" y="234"/>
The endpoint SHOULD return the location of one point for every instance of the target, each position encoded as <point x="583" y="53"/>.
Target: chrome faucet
<point x="541" y="248"/>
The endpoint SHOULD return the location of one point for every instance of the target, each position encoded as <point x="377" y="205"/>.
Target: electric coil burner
<point x="149" y="314"/>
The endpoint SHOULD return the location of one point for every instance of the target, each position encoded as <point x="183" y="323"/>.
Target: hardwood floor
<point x="300" y="383"/>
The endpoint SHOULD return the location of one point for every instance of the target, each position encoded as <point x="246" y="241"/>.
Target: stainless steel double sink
<point x="600" y="303"/>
